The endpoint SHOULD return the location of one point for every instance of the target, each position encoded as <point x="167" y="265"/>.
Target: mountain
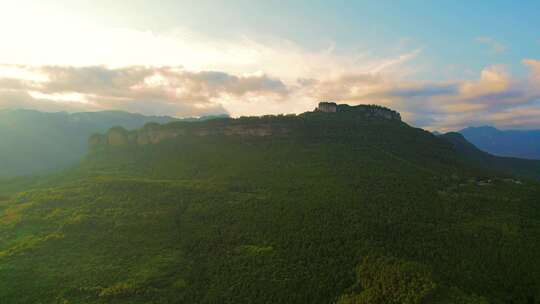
<point x="513" y="143"/>
<point x="476" y="157"/>
<point x="347" y="207"/>
<point x="37" y="142"/>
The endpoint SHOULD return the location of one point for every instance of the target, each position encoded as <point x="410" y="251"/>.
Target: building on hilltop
<point x="327" y="107"/>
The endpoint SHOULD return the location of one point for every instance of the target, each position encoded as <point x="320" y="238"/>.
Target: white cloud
<point x="58" y="62"/>
<point x="177" y="91"/>
<point x="155" y="90"/>
<point x="534" y="65"/>
<point x="46" y="37"/>
<point x="493" y="79"/>
<point x="443" y="105"/>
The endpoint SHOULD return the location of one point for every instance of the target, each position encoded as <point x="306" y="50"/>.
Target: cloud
<point x="495" y="46"/>
<point x="204" y="85"/>
<point x="493" y="79"/>
<point x="82" y="44"/>
<point x="184" y="73"/>
<point x="425" y="90"/>
<point x="150" y="90"/>
<point x="495" y="97"/>
<point x="176" y="72"/>
<point x="88" y="67"/>
<point x="395" y="61"/>
<point x="534" y="66"/>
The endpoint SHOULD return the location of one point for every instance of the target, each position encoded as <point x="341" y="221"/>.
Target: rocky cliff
<point x="371" y="111"/>
<point x="153" y="133"/>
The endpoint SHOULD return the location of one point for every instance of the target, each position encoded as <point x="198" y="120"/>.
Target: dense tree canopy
<point x="344" y="209"/>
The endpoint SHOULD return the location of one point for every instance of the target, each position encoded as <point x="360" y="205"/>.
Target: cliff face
<point x="117" y="136"/>
<point x="374" y="111"/>
<point x="327" y="107"/>
<point x="153" y="133"/>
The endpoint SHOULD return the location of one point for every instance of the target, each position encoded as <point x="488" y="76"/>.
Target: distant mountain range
<point x="475" y="157"/>
<point x="36" y="142"/>
<point x="513" y="143"/>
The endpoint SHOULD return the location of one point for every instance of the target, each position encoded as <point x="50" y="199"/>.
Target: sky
<point x="444" y="65"/>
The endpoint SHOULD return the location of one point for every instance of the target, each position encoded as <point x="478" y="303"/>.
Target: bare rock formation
<point x="327" y="107"/>
<point x="117" y="136"/>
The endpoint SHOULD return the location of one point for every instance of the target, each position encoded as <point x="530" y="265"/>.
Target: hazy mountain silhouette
<point x="514" y="143"/>
<point x="35" y="142"/>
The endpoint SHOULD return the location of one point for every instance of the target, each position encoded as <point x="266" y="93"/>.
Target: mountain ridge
<point x="512" y="143"/>
<point x="286" y="125"/>
<point x="267" y="125"/>
<point x="476" y="157"/>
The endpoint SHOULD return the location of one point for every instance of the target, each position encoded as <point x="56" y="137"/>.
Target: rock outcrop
<point x="117" y="136"/>
<point x="155" y="133"/>
<point x="327" y="107"/>
<point x="374" y="111"/>
<point x="367" y="110"/>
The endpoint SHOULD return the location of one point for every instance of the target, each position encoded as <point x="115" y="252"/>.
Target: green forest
<point x="337" y="208"/>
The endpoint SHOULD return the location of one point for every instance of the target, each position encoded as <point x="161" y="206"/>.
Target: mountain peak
<point x="485" y="128"/>
<point x="513" y="143"/>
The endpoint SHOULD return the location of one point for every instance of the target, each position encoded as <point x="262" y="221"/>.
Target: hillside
<point x="36" y="142"/>
<point x="476" y="157"/>
<point x="345" y="207"/>
<point x="511" y="143"/>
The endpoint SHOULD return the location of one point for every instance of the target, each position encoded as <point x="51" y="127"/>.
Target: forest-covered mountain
<point x="345" y="207"/>
<point x="476" y="157"/>
<point x="512" y="143"/>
